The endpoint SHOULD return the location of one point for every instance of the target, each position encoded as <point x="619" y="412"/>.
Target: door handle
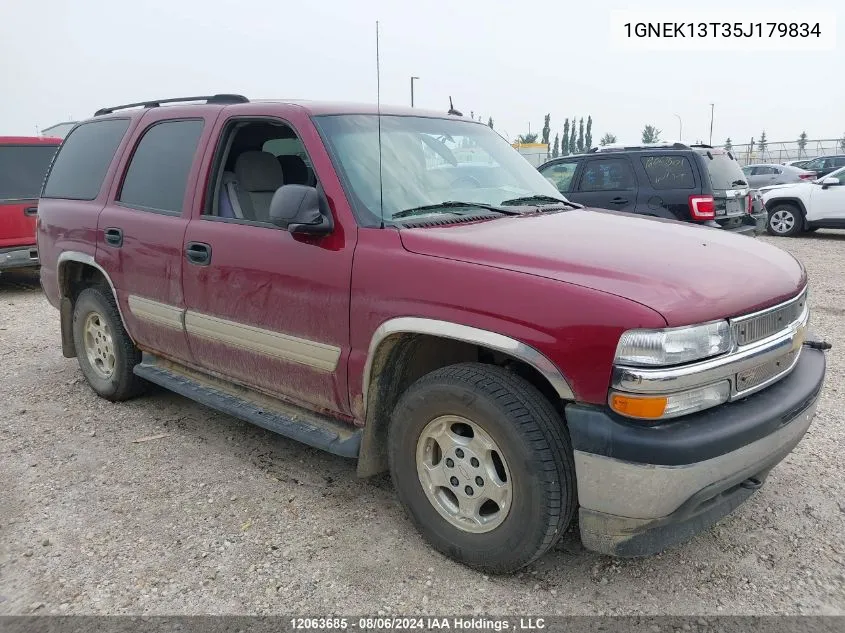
<point x="618" y="201"/>
<point x="198" y="253"/>
<point x="30" y="211"/>
<point x="113" y="236"/>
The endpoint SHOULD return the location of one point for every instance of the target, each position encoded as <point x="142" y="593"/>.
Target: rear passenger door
<point x="671" y="181"/>
<point x="607" y="183"/>
<point x="140" y="230"/>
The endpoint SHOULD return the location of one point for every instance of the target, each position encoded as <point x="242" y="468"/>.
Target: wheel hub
<point x="782" y="221"/>
<point x="99" y="345"/>
<point x="464" y="474"/>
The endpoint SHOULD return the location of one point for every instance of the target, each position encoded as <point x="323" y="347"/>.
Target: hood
<point x="788" y="185"/>
<point x="689" y="274"/>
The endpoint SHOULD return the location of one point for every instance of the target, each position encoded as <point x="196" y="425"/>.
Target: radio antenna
<point x="378" y="117"/>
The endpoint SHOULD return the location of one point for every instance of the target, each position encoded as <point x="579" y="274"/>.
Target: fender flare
<point x="88" y="260"/>
<point x="466" y="334"/>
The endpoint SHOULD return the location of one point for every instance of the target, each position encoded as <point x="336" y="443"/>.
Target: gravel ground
<point x="212" y="515"/>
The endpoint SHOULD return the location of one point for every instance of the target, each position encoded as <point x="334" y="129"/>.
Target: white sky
<point x="512" y="60"/>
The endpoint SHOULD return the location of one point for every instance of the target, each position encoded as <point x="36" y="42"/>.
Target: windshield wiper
<point x="449" y="206"/>
<point x="738" y="182"/>
<point x="536" y="198"/>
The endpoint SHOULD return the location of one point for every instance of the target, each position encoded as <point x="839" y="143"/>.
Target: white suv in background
<point x="806" y="206"/>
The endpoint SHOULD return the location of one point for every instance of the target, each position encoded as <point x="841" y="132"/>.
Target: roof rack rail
<point x="212" y="99"/>
<point x="621" y="147"/>
<point x="702" y="145"/>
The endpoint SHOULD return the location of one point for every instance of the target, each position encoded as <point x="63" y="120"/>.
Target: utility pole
<point x="680" y="128"/>
<point x="412" y="90"/>
<point x="712" y="105"/>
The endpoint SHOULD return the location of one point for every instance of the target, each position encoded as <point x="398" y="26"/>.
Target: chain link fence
<point x="785" y="151"/>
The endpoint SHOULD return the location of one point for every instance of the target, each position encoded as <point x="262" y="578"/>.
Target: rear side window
<point x="158" y="172"/>
<point x="669" y="172"/>
<point x="611" y="174"/>
<point x="84" y="159"/>
<point x="22" y="170"/>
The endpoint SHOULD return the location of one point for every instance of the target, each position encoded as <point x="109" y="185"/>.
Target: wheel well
<point x="793" y="202"/>
<point x="403" y="358"/>
<point x="74" y="277"/>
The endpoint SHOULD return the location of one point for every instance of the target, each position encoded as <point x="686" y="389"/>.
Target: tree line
<point x="762" y="142"/>
<point x="577" y="136"/>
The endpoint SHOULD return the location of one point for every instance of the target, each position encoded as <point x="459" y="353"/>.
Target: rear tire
<point x="785" y="220"/>
<point x="104" y="350"/>
<point x="508" y="450"/>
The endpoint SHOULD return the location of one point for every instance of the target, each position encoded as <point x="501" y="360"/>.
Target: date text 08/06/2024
<point x="417" y="623"/>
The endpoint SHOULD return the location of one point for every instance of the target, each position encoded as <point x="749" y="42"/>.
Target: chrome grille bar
<point x="755" y="327"/>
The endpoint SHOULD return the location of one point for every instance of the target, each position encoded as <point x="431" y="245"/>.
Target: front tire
<point x="104" y="350"/>
<point x="483" y="465"/>
<point x="785" y="220"/>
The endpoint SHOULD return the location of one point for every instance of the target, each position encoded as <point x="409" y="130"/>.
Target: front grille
<point x="747" y="330"/>
<point x="751" y="378"/>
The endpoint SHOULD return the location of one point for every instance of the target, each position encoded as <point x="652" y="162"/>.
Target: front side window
<point x="425" y="161"/>
<point x="157" y="175"/>
<point x="83" y="160"/>
<point x="608" y="174"/>
<point x="22" y="170"/>
<point x="561" y="175"/>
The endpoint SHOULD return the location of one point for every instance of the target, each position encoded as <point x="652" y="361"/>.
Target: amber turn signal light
<point x="648" y="408"/>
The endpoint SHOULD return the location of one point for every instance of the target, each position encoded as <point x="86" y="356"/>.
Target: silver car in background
<point x="766" y="174"/>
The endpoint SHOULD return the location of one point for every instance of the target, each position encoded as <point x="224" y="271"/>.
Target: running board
<point x="292" y="422"/>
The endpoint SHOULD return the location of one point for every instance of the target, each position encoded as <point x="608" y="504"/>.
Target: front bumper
<point x="644" y="488"/>
<point x="18" y="257"/>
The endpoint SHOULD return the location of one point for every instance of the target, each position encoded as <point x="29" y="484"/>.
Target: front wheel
<point x="785" y="220"/>
<point x="483" y="465"/>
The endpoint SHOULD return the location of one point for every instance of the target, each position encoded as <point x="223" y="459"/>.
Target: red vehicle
<point x="406" y="290"/>
<point x="23" y="163"/>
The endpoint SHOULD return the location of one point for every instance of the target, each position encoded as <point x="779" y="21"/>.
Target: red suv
<point x="406" y="290"/>
<point x="24" y="161"/>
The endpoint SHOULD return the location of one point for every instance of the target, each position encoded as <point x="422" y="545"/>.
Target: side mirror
<point x="830" y="181"/>
<point x="298" y="209"/>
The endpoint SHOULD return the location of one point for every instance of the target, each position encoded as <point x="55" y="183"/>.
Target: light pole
<point x="412" y="90"/>
<point x="712" y="105"/>
<point x="680" y="128"/>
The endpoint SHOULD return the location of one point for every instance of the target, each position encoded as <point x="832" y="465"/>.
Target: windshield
<point x="425" y="162"/>
<point x="724" y="171"/>
<point x="839" y="173"/>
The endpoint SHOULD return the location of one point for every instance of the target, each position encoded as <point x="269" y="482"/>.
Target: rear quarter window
<point x="669" y="172"/>
<point x="83" y="160"/>
<point x="724" y="171"/>
<point x="22" y="170"/>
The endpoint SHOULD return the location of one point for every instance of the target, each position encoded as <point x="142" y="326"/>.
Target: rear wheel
<point x="104" y="350"/>
<point x="785" y="220"/>
<point x="483" y="465"/>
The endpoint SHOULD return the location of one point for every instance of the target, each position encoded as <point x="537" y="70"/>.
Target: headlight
<point x="673" y="346"/>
